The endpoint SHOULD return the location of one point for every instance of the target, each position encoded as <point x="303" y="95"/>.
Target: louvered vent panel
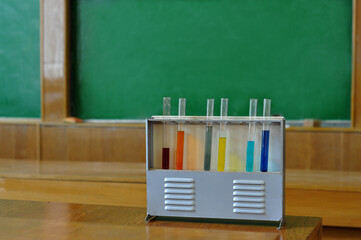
<point x="179" y="194"/>
<point x="249" y="196"/>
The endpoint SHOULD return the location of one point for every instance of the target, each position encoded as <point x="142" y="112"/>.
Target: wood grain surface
<point x="54" y="60"/>
<point x="337" y="233"/>
<point x="356" y="66"/>
<point x="332" y="195"/>
<point x="306" y="148"/>
<point x="72" y="170"/>
<point x="19" y="141"/>
<point x="105" y="193"/>
<point x="323" y="150"/>
<point x="80" y="142"/>
<point x="42" y="220"/>
<point x="337" y="208"/>
<point x="128" y="172"/>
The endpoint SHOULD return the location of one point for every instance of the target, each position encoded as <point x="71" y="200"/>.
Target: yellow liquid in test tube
<point x="221" y="154"/>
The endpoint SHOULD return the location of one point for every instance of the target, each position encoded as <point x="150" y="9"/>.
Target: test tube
<point x="165" y="143"/>
<point x="222" y="135"/>
<point x="251" y="134"/>
<point x="265" y="135"/>
<point x="208" y="140"/>
<point x="180" y="134"/>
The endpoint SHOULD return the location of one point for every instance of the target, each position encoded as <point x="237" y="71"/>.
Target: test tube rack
<point x="251" y="196"/>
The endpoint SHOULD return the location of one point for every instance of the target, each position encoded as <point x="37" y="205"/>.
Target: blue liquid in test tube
<point x="265" y="135"/>
<point x="264" y="150"/>
<point x="250" y="156"/>
<point x="251" y="135"/>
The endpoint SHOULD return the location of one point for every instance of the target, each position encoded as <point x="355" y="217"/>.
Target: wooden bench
<point x="332" y="195"/>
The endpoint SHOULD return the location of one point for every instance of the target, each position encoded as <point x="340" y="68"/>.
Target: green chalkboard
<point x="128" y="54"/>
<point x="19" y="58"/>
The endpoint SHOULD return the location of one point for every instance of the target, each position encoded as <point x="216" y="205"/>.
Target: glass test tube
<point x="180" y="134"/>
<point x="222" y="136"/>
<point x="208" y="140"/>
<point x="251" y="134"/>
<point x="265" y="135"/>
<point x="165" y="143"/>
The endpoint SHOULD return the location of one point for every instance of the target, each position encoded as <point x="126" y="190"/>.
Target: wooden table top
<point x="48" y="220"/>
<point x="136" y="173"/>
<point x="73" y="170"/>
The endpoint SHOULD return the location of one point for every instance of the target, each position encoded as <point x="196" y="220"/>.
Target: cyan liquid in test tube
<point x="180" y="134"/>
<point x="222" y="135"/>
<point x="251" y="134"/>
<point x="165" y="149"/>
<point x="265" y="135"/>
<point x="208" y="140"/>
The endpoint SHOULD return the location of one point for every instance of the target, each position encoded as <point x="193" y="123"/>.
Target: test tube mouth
<point x="166" y="106"/>
<point x="253" y="107"/>
<point x="266" y="107"/>
<point x="210" y="107"/>
<point x="224" y="107"/>
<point x="182" y="107"/>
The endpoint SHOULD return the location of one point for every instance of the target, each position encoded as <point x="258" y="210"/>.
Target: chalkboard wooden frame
<point x="356" y="66"/>
<point x="318" y="56"/>
<point x="61" y="111"/>
<point x="54" y="20"/>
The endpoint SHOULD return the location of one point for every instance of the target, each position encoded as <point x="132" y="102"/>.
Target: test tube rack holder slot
<point x="250" y="196"/>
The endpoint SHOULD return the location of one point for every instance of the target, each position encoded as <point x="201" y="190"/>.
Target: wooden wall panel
<point x="93" y="143"/>
<point x="107" y="144"/>
<point x="53" y="143"/>
<point x="325" y="150"/>
<point x="351" y="151"/>
<point x="18" y="141"/>
<point x="298" y="151"/>
<point x="321" y="150"/>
